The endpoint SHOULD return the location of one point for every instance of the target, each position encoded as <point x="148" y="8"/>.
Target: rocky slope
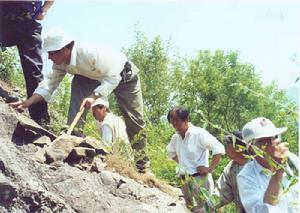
<point x="28" y="183"/>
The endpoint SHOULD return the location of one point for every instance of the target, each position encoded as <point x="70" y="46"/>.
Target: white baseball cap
<point x="101" y="101"/>
<point x="56" y="41"/>
<point x="260" y="128"/>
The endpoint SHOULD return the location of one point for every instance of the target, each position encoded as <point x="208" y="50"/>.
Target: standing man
<point x="190" y="147"/>
<point x="98" y="71"/>
<point x="261" y="182"/>
<point x="19" y="26"/>
<point x="227" y="188"/>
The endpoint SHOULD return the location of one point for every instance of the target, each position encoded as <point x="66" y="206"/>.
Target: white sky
<point x="266" y="33"/>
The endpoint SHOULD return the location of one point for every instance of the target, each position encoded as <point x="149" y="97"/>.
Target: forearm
<point x="214" y="162"/>
<point x="35" y="98"/>
<point x="272" y="192"/>
<point x="47" y="5"/>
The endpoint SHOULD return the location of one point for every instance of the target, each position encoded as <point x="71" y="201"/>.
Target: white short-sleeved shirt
<point x="193" y="150"/>
<point x="252" y="184"/>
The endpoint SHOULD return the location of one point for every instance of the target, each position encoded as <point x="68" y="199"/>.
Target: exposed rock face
<point x="29" y="185"/>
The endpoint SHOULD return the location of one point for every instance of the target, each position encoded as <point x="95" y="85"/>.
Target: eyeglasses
<point x="268" y="139"/>
<point x="276" y="137"/>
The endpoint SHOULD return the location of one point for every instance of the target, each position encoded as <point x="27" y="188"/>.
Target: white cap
<point x="260" y="128"/>
<point x="56" y="41"/>
<point x="101" y="101"/>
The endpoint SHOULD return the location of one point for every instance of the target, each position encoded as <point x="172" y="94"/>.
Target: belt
<point x="182" y="177"/>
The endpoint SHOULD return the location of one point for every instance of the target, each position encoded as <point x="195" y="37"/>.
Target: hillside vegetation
<point x="221" y="93"/>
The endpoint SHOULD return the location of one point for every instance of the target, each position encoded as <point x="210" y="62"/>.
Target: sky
<point x="265" y="33"/>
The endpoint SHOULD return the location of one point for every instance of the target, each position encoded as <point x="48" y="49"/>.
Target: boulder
<point x="61" y="147"/>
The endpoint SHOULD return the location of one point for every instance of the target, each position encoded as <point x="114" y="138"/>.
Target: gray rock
<point x="28" y="123"/>
<point x="81" y="152"/>
<point x="93" y="143"/>
<point x="61" y="147"/>
<point x="42" y="141"/>
<point x="31" y="186"/>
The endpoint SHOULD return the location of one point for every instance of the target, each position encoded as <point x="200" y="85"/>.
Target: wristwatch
<point x="97" y="94"/>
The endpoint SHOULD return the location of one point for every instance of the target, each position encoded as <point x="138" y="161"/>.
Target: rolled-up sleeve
<point x="108" y="84"/>
<point x="50" y="83"/>
<point x="171" y="148"/>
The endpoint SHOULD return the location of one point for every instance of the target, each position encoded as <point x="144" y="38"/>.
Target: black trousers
<point x="26" y="35"/>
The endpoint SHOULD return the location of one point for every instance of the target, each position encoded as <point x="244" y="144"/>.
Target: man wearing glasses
<point x="262" y="182"/>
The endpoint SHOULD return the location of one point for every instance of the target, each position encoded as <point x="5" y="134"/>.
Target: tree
<point x="153" y="60"/>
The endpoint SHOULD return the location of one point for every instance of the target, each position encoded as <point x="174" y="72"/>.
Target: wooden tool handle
<point x="76" y="119"/>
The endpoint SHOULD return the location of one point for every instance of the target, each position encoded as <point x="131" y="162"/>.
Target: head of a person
<point x="179" y="118"/>
<point x="262" y="132"/>
<point x="59" y="47"/>
<point x="236" y="149"/>
<point x="100" y="109"/>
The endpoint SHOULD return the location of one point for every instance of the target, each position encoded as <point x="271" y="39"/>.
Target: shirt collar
<point x="188" y="131"/>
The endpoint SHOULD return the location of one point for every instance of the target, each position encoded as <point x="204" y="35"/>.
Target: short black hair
<point x="239" y="140"/>
<point x="182" y="113"/>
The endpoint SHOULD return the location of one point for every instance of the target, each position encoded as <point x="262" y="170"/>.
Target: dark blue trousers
<point x="26" y="35"/>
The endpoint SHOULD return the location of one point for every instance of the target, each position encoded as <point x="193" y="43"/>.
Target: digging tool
<point x="75" y="121"/>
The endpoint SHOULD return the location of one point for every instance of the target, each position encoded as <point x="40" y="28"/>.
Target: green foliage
<point x="158" y="137"/>
<point x="153" y="60"/>
<point x="59" y="105"/>
<point x="221" y="93"/>
<point x="10" y="69"/>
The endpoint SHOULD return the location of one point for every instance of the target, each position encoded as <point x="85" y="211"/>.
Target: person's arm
<point x="272" y="192"/>
<point x="171" y="150"/>
<point x="251" y="194"/>
<point x="47" y="4"/>
<point x="278" y="154"/>
<point x="202" y="170"/>
<point x="224" y="188"/>
<point x="110" y="63"/>
<point x="208" y="141"/>
<point x="22" y="105"/>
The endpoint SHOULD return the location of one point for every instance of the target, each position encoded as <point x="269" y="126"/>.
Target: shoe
<point x="143" y="165"/>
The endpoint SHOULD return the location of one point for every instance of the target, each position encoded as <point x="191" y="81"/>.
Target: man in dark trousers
<point x="20" y="26"/>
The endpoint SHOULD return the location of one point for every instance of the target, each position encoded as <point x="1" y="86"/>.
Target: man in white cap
<point x="111" y="127"/>
<point x="261" y="182"/>
<point x="98" y="71"/>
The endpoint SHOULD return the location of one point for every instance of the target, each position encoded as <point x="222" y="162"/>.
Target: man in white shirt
<point x="112" y="128"/>
<point x="190" y="147"/>
<point x="98" y="71"/>
<point x="261" y="182"/>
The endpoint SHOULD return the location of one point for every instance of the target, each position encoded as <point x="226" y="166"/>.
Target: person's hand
<point x="202" y="170"/>
<point x="279" y="150"/>
<point x="41" y="16"/>
<point x="19" y="105"/>
<point x="87" y="102"/>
